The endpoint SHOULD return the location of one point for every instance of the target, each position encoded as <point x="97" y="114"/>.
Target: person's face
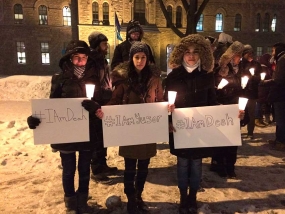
<point x="135" y="36"/>
<point x="139" y="60"/>
<point x="104" y="47"/>
<point x="248" y="56"/>
<point x="79" y="59"/>
<point x="191" y="56"/>
<point x="236" y="59"/>
<point x="273" y="51"/>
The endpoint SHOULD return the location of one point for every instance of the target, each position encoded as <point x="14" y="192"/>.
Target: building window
<point x="139" y="11"/>
<point x="95" y="13"/>
<point x="273" y="24"/>
<point x="21" y="53"/>
<point x="169" y="11"/>
<point x="107" y="57"/>
<point x="258" y="51"/>
<point x="237" y="23"/>
<point x="169" y="49"/>
<point x="18" y="14"/>
<point x="179" y="17"/>
<point x="199" y="26"/>
<point x="219" y="22"/>
<point x="258" y="23"/>
<point x="106" y="14"/>
<point x="43" y="18"/>
<point x="266" y="23"/>
<point x="45" y="53"/>
<point x="66" y="16"/>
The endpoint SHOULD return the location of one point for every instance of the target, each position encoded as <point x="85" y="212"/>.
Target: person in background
<point x="224" y="41"/>
<point x="70" y="83"/>
<point x="98" y="51"/>
<point x="251" y="89"/>
<point x="134" y="33"/>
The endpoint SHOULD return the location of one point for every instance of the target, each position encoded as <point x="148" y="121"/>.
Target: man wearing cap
<point x="134" y="33"/>
<point x="98" y="51"/>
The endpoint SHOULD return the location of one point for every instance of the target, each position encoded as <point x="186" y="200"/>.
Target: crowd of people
<point x="198" y="66"/>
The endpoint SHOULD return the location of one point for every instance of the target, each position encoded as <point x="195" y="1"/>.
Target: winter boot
<point x="70" y="204"/>
<point x="267" y="119"/>
<point x="140" y="203"/>
<point x="183" y="207"/>
<point x="82" y="205"/>
<point x="259" y="123"/>
<point x="192" y="201"/>
<point x="132" y="206"/>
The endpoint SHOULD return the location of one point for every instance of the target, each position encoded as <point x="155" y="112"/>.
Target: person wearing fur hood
<point x="192" y="64"/>
<point x="136" y="81"/>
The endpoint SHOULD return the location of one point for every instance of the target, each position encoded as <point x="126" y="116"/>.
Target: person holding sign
<point x="70" y="83"/>
<point x="136" y="82"/>
<point x="193" y="80"/>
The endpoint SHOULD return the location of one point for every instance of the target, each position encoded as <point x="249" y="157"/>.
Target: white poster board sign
<point x="63" y="120"/>
<point x="135" y="124"/>
<point x="206" y="126"/>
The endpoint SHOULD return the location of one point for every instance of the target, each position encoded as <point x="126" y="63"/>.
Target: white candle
<point x="251" y="70"/>
<point x="244" y="81"/>
<point x="223" y="83"/>
<point x="262" y="75"/>
<point x="171" y="98"/>
<point x="89" y="90"/>
<point x="242" y="101"/>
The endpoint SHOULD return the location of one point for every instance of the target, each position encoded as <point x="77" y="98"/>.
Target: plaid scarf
<point x="79" y="71"/>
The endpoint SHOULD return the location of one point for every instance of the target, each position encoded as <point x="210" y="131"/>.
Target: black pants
<point x="131" y="185"/>
<point x="226" y="158"/>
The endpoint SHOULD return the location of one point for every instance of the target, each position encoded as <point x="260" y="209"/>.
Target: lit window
<point x="169" y="49"/>
<point x="18" y="14"/>
<point x="266" y="23"/>
<point x="21" y="53"/>
<point x="169" y="12"/>
<point x="95" y="13"/>
<point x="258" y="23"/>
<point x="199" y="26"/>
<point x="273" y="24"/>
<point x="237" y="23"/>
<point x="45" y="53"/>
<point x="106" y="14"/>
<point x="258" y="51"/>
<point x="43" y="18"/>
<point x="66" y="16"/>
<point x="179" y="16"/>
<point x="219" y="22"/>
<point x="139" y="11"/>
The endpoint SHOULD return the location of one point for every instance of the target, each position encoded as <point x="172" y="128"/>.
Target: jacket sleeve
<point x="56" y="87"/>
<point x="117" y="57"/>
<point x="117" y="96"/>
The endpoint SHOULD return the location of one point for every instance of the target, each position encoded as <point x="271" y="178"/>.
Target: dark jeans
<point x="251" y="103"/>
<point x="226" y="158"/>
<point x="280" y="121"/>
<point x="130" y="183"/>
<point x="68" y="162"/>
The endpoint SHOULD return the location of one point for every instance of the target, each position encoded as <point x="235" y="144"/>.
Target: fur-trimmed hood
<point x="206" y="56"/>
<point x="120" y="72"/>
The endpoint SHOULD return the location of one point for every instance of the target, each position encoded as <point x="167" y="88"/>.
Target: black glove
<point x="90" y="105"/>
<point x="33" y="122"/>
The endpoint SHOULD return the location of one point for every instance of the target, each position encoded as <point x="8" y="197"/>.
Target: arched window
<point x="237" y="23"/>
<point x="66" y="13"/>
<point x="169" y="11"/>
<point x="258" y="23"/>
<point x="139" y="11"/>
<point x="200" y="22"/>
<point x="266" y="23"/>
<point x="219" y="22"/>
<point x="106" y="14"/>
<point x="273" y="23"/>
<point x="18" y="14"/>
<point x="43" y="18"/>
<point x="179" y="16"/>
<point x="95" y="13"/>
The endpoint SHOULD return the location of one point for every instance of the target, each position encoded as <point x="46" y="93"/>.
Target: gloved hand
<point x="90" y="105"/>
<point x="33" y="122"/>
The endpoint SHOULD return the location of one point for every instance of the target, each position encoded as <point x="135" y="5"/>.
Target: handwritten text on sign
<point x="135" y="124"/>
<point x="206" y="126"/>
<point x="63" y="120"/>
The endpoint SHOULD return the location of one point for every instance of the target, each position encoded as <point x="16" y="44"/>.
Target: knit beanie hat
<point x="95" y="38"/>
<point x="247" y="49"/>
<point x="138" y="47"/>
<point x="134" y="26"/>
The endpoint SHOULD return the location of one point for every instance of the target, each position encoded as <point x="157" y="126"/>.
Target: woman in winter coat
<point x="70" y="83"/>
<point x="136" y="82"/>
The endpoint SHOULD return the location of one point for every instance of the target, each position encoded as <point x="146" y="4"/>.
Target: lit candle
<point x="223" y="83"/>
<point x="262" y="75"/>
<point x="89" y="90"/>
<point x="171" y="98"/>
<point x="244" y="81"/>
<point x="242" y="101"/>
<point x="251" y="70"/>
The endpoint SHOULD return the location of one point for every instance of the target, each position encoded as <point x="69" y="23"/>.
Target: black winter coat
<point x="66" y="85"/>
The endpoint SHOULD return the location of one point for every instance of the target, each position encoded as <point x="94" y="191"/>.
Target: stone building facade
<point x="99" y="15"/>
